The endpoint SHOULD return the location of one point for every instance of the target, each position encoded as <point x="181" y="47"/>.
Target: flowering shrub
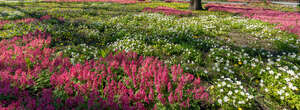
<point x="167" y="11"/>
<point x="121" y="80"/>
<point x="288" y="21"/>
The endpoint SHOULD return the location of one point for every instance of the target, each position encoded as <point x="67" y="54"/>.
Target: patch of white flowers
<point x="81" y="53"/>
<point x="231" y="93"/>
<point x="11" y="14"/>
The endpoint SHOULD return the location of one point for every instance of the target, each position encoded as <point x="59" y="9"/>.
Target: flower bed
<point x="33" y="76"/>
<point x="176" y="1"/>
<point x="27" y="20"/>
<point x="113" y="1"/>
<point x="289" y="21"/>
<point x="167" y="11"/>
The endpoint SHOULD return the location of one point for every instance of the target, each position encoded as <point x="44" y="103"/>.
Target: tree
<point x="196" y="5"/>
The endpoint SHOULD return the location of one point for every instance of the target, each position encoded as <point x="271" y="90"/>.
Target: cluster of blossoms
<point x="231" y="93"/>
<point x="189" y="58"/>
<point x="289" y="21"/>
<point x="112" y="1"/>
<point x="27" y="20"/>
<point x="281" y="82"/>
<point x="81" y="53"/>
<point x="22" y="59"/>
<point x="277" y="75"/>
<point x="211" y="25"/>
<point x="230" y="62"/>
<point x="167" y="10"/>
<point x="11" y="14"/>
<point x="122" y="80"/>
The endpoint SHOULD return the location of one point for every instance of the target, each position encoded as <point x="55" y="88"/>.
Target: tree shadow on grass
<point x="67" y="32"/>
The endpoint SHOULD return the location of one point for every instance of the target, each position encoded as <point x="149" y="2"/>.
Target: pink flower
<point x="288" y="21"/>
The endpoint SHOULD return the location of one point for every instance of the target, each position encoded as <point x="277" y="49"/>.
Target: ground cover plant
<point x="167" y="10"/>
<point x="113" y="1"/>
<point x="288" y="21"/>
<point x="102" y="55"/>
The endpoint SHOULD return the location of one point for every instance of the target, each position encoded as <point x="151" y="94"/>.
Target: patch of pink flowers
<point x="119" y="81"/>
<point x="167" y="11"/>
<point x="288" y="21"/>
<point x="112" y="1"/>
<point x="25" y="20"/>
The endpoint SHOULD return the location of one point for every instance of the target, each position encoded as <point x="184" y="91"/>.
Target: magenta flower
<point x="138" y="80"/>
<point x="288" y="21"/>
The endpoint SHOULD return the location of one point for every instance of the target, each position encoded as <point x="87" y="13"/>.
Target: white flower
<point x="281" y="97"/>
<point x="238" y="82"/>
<point x="242" y="93"/>
<point x="229" y="93"/>
<point x="280" y="92"/>
<point x="236" y="91"/>
<point x="253" y="65"/>
<point x="261" y="84"/>
<point x="226" y="99"/>
<point x="294" y="88"/>
<point x="271" y="72"/>
<point x="223" y="83"/>
<point x="291" y="72"/>
<point x="221" y="90"/>
<point x="266" y="89"/>
<point x="286" y="94"/>
<point x="241" y="102"/>
<point x="245" y="61"/>
<point x="278" y="59"/>
<point x="284" y="87"/>
<point x="250" y="96"/>
<point x="219" y="101"/>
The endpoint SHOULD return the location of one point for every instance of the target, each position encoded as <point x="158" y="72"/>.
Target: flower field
<point x="288" y="21"/>
<point x="142" y="55"/>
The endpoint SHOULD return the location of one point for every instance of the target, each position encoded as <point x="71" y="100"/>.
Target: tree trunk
<point x="196" y="5"/>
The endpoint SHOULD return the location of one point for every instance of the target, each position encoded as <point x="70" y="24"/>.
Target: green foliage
<point x="251" y="56"/>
